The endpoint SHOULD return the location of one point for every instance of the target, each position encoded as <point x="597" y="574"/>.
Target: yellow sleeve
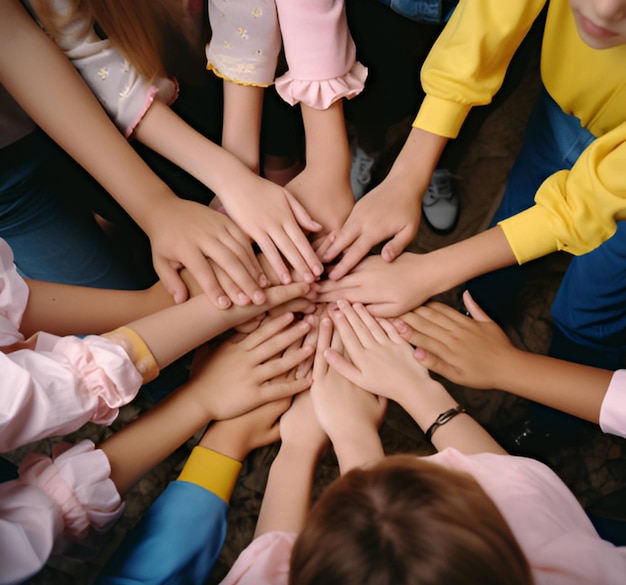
<point x="575" y="211"/>
<point x="467" y="64"/>
<point x="137" y="350"/>
<point x="211" y="470"/>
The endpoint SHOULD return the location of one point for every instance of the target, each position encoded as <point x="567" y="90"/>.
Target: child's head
<point x="601" y="23"/>
<point x="406" y="521"/>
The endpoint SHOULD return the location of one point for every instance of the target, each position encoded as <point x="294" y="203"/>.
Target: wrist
<point x="223" y="438"/>
<point x="357" y="448"/>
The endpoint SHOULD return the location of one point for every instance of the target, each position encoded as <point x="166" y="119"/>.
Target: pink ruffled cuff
<point x="165" y="89"/>
<point x="77" y="479"/>
<point x="321" y="94"/>
<point x="104" y="368"/>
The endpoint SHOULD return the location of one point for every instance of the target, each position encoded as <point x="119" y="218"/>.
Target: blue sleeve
<point x="176" y="542"/>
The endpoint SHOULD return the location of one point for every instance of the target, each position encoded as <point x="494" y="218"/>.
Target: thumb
<point x="172" y="281"/>
<point x="394" y="247"/>
<point x="474" y="310"/>
<point x="302" y="215"/>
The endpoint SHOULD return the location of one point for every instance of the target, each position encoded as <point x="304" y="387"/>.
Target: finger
<point x="281" y="388"/>
<point x="351" y="257"/>
<point x="280" y="341"/>
<point x="298" y="252"/>
<point x="198" y="265"/>
<point x="390" y="331"/>
<point x="343" y="367"/>
<point x="232" y="263"/>
<point x="302" y="215"/>
<point x="268" y="328"/>
<point x="230" y="288"/>
<point x="371" y="323"/>
<point x="279" y="295"/>
<point x="349" y="338"/>
<point x="360" y="329"/>
<point x="278" y="366"/>
<point x="300" y="305"/>
<point x="342" y="239"/>
<point x="274" y="259"/>
<point x="394" y="247"/>
<point x="171" y="280"/>
<point x="250" y="326"/>
<point x="322" y="244"/>
<point x="325" y="331"/>
<point x="475" y="311"/>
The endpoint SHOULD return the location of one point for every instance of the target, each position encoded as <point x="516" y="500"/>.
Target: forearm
<point x="145" y="442"/>
<point x="64" y="309"/>
<point x="462" y="432"/>
<point x="42" y="80"/>
<point x="418" y="159"/>
<point x="573" y="388"/>
<point x="358" y="449"/>
<point x="241" y="135"/>
<point x="287" y="495"/>
<point x="464" y="260"/>
<point x="164" y="132"/>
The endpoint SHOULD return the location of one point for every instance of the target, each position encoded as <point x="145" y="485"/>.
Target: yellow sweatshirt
<point x="574" y="210"/>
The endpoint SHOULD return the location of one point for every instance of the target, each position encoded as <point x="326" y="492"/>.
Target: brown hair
<point x="406" y="521"/>
<point x="146" y="32"/>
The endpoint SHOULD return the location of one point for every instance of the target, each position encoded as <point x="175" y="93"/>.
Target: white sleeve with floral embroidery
<point x="124" y="94"/>
<point x="245" y="41"/>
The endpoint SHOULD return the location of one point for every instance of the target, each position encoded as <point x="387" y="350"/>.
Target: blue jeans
<point x="428" y="11"/>
<point x="46" y="216"/>
<point x="590" y="306"/>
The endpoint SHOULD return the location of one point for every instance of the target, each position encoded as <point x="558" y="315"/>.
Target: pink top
<point x="52" y="385"/>
<point x="124" y="94"/>
<point x="552" y="529"/>
<point x="318" y="47"/>
<point x="54" y="502"/>
<point x="613" y="410"/>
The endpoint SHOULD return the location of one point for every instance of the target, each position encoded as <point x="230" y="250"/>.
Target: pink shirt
<point x="613" y="410"/>
<point x="50" y="388"/>
<point x="57" y="384"/>
<point x="319" y="49"/>
<point x="552" y="529"/>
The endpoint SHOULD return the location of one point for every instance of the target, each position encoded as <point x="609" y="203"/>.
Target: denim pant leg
<point x="52" y="238"/>
<point x="590" y="306"/>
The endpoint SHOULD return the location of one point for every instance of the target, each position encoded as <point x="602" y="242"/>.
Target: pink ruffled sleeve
<point x="60" y="384"/>
<point x="53" y="502"/>
<point x="13" y="298"/>
<point x="320" y="53"/>
<point x="124" y="94"/>
<point x="265" y="561"/>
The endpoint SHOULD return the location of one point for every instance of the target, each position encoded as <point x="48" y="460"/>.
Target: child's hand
<point x="391" y="210"/>
<point x="349" y="415"/>
<point x="273" y="218"/>
<point x="463" y="350"/>
<point x="247" y="371"/>
<point x="389" y="289"/>
<point x="236" y="437"/>
<point x="299" y="426"/>
<point x="379" y="360"/>
<point x="184" y="234"/>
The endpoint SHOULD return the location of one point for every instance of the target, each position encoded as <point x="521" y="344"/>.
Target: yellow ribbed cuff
<point x="211" y="470"/>
<point x="137" y="350"/>
<point x="210" y="67"/>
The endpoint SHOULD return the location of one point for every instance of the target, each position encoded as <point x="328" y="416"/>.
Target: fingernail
<point x="258" y="298"/>
<point x="223" y="302"/>
<point x="318" y="269"/>
<point x="263" y="281"/>
<point x="285" y="278"/>
<point x="243" y="298"/>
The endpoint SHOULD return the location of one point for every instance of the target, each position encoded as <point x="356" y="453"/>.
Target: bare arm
<point x="323" y="187"/>
<point x="383" y="363"/>
<point x="238" y="365"/>
<point x="392" y="209"/>
<point x="241" y="135"/>
<point x="475" y="352"/>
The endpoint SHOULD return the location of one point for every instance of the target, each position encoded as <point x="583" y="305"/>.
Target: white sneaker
<point x="361" y="171"/>
<point x="441" y="202"/>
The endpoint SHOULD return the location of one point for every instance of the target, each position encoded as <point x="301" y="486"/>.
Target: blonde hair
<point x="407" y="521"/>
<point x="144" y="31"/>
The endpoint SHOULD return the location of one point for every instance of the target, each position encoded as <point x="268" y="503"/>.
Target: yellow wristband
<point x="137" y="350"/>
<point x="211" y="470"/>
